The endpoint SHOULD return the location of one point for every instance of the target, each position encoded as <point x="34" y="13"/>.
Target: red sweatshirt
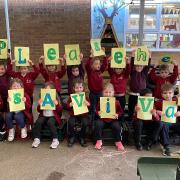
<point x="28" y="79"/>
<point x="95" y="79"/>
<point x="159" y="81"/>
<point x="119" y="111"/>
<point x="53" y="76"/>
<point x="71" y="112"/>
<point x="119" y="81"/>
<point x="57" y="112"/>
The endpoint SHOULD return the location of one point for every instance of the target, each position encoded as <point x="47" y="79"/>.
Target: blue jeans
<point x="94" y="99"/>
<point x="18" y="117"/>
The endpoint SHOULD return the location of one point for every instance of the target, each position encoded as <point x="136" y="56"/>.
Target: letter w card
<point x="79" y="106"/>
<point x="48" y="96"/>
<point x="16" y="103"/>
<point x="145" y="104"/>
<point x="118" y="58"/>
<point x="107" y="107"/>
<point x="169" y="109"/>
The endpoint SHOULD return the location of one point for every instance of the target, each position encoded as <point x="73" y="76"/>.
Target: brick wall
<point x="34" y="22"/>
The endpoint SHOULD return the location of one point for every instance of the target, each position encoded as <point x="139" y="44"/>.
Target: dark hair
<point x="145" y="91"/>
<point x="78" y="81"/>
<point x="167" y="87"/>
<point x="164" y="67"/>
<point x="74" y="66"/>
<point x="16" y="80"/>
<point x="2" y="64"/>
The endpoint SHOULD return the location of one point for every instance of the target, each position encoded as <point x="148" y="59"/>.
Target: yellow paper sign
<point x="118" y="58"/>
<point x="21" y="55"/>
<point x="145" y="104"/>
<point x="72" y="54"/>
<point x="16" y="103"/>
<point x="107" y="107"/>
<point x="79" y="105"/>
<point x="165" y="59"/>
<point x="3" y="49"/>
<point x="48" y="96"/>
<point x="96" y="47"/>
<point x="141" y="56"/>
<point x="51" y="54"/>
<point x="169" y="109"/>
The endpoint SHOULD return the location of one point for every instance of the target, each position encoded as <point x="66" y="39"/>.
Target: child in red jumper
<point x="73" y="72"/>
<point x="2" y="131"/>
<point x="138" y="78"/>
<point x="50" y="73"/>
<point x="114" y="123"/>
<point x="19" y="116"/>
<point x="167" y="93"/>
<point x="25" y="76"/>
<point x="51" y="117"/>
<point x="94" y="70"/>
<point x="78" y="86"/>
<point x="119" y="78"/>
<point x="163" y="78"/>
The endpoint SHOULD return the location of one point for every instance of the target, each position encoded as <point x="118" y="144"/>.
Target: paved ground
<point x="18" y="161"/>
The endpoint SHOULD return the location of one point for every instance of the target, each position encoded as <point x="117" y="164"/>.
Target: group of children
<point x="134" y="75"/>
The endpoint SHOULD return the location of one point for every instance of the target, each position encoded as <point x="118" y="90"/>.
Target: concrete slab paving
<point x="18" y="161"/>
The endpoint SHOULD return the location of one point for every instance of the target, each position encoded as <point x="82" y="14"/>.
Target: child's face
<point x="16" y="85"/>
<point x="78" y="88"/>
<point x="139" y="68"/>
<point x="75" y="71"/>
<point x="148" y="94"/>
<point x="24" y="70"/>
<point x="168" y="95"/>
<point x="108" y="92"/>
<point x="2" y="70"/>
<point x="96" y="65"/>
<point x="118" y="70"/>
<point x="51" y="68"/>
<point x="164" y="73"/>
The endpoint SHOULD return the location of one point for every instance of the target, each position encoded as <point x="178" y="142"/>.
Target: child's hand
<point x="99" y="113"/>
<point x="62" y="61"/>
<point x="64" y="56"/>
<point x="133" y="52"/>
<point x="55" y="102"/>
<point x="13" y="61"/>
<point x="103" y="49"/>
<point x="174" y="62"/>
<point x="115" y="116"/>
<point x="24" y="99"/>
<point x="30" y="62"/>
<point x="177" y="114"/>
<point x="81" y="56"/>
<point x="159" y="113"/>
<point x="41" y="59"/>
<point x="86" y="103"/>
<point x="150" y="53"/>
<point x="128" y="60"/>
<point x="71" y="104"/>
<point x="8" y="99"/>
<point x="91" y="53"/>
<point x="137" y="108"/>
<point x="109" y="58"/>
<point x="40" y="101"/>
<point x="8" y="55"/>
<point x="153" y="112"/>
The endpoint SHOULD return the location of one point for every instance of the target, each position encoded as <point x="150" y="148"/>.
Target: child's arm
<point x="105" y="62"/>
<point x="69" y="103"/>
<point x="59" y="107"/>
<point x="127" y="69"/>
<point x="119" y="110"/>
<point x="88" y="65"/>
<point x="27" y="102"/>
<point x="153" y="75"/>
<point x="110" y="70"/>
<point x="35" y="72"/>
<point x="81" y="68"/>
<point x="42" y="70"/>
<point x="10" y="71"/>
<point x="174" y="75"/>
<point x="62" y="72"/>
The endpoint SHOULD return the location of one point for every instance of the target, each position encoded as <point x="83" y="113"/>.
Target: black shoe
<point x="149" y="146"/>
<point x="139" y="147"/>
<point x="167" y="151"/>
<point x="71" y="141"/>
<point x="2" y="136"/>
<point x="82" y="142"/>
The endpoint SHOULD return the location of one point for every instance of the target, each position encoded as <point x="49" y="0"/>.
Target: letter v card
<point x="79" y="105"/>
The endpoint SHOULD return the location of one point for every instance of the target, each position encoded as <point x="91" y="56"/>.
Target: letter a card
<point x="72" y="54"/>
<point x="107" y="107"/>
<point x="169" y="109"/>
<point x="16" y="103"/>
<point x="79" y="105"/>
<point x="51" y="54"/>
<point x="118" y="58"/>
<point x="48" y="96"/>
<point x="145" y="104"/>
<point x="21" y="55"/>
<point x="141" y="56"/>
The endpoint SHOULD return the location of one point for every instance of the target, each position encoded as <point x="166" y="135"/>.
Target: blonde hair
<point x="16" y="80"/>
<point x="108" y="85"/>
